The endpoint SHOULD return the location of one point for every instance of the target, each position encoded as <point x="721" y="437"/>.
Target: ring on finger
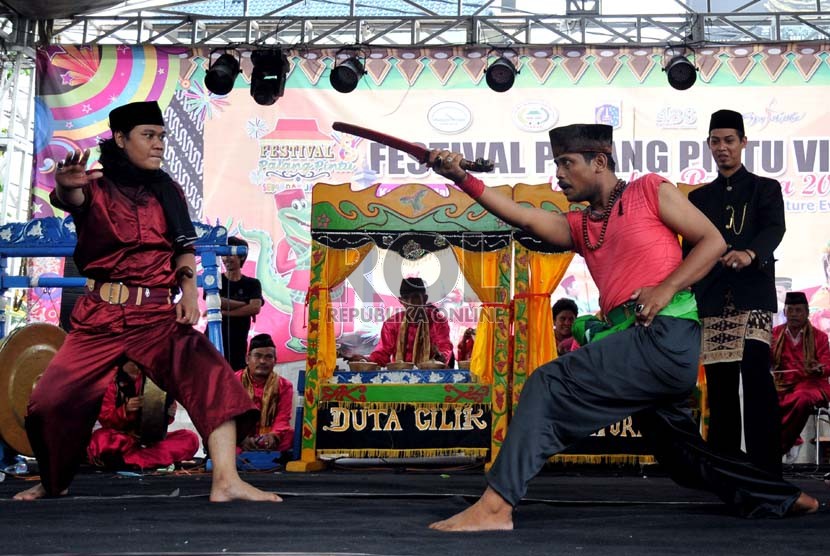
<point x="639" y="308"/>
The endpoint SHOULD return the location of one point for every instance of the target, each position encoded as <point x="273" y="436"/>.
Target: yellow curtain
<point x="546" y="271"/>
<point x="481" y="269"/>
<point x="337" y="264"/>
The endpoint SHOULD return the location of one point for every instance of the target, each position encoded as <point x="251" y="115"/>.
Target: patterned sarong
<point x="723" y="336"/>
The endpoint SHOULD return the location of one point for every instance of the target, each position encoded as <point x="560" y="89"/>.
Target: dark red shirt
<point x="121" y="238"/>
<point x="122" y="235"/>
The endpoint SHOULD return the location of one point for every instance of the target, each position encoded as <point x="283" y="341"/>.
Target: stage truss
<point x="691" y="28"/>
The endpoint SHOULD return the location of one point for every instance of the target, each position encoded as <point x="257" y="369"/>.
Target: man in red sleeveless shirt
<point x="644" y="358"/>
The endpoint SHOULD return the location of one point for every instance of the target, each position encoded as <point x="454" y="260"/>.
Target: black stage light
<point x="221" y="74"/>
<point x="345" y="75"/>
<point x="268" y="76"/>
<point x="681" y="73"/>
<point x="500" y="75"/>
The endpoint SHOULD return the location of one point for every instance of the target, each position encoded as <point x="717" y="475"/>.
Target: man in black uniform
<point x="241" y="298"/>
<point x="737" y="298"/>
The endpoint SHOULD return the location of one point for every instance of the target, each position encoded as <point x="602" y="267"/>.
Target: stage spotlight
<point x="221" y="74"/>
<point x="681" y="73"/>
<point x="345" y="75"/>
<point x="268" y="76"/>
<point x="500" y="75"/>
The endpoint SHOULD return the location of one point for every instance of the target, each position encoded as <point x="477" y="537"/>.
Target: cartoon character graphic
<point x="283" y="268"/>
<point x="293" y="256"/>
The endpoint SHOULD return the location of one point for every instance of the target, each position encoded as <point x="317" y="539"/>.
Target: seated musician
<point x="117" y="443"/>
<point x="418" y="333"/>
<point x="801" y="365"/>
<point x="272" y="394"/>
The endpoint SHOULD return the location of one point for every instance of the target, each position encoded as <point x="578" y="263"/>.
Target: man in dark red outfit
<point x="135" y="245"/>
<point x="800" y="364"/>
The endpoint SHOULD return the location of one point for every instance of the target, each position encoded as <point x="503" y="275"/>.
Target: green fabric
<point x="588" y="328"/>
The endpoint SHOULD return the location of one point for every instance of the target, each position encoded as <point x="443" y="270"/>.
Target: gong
<point x="24" y="355"/>
<point x="153" y="426"/>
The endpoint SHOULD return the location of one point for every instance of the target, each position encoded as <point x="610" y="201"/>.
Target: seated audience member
<point x="801" y="363"/>
<point x="418" y="333"/>
<point x="565" y="312"/>
<point x="117" y="443"/>
<point x="272" y="394"/>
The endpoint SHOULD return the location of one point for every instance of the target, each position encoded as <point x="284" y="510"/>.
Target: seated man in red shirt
<point x="426" y="334"/>
<point x="801" y="363"/>
<point x="117" y="442"/>
<point x="272" y="394"/>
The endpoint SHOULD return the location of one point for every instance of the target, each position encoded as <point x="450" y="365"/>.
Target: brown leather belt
<point x="116" y="293"/>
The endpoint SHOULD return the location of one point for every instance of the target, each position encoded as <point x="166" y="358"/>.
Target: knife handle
<point x="477" y="165"/>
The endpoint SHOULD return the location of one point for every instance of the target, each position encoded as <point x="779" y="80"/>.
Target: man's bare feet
<point x="805" y="504"/>
<point x="490" y="513"/>
<point x="237" y="489"/>
<point x="34" y="493"/>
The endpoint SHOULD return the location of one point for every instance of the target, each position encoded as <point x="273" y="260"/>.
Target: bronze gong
<point x="24" y="355"/>
<point x="153" y="426"/>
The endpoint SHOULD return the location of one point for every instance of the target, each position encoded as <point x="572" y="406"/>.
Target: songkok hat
<point x="795" y="298"/>
<point x="581" y="138"/>
<point x="412" y="285"/>
<point x="261" y="341"/>
<point x="727" y="119"/>
<point x="126" y="117"/>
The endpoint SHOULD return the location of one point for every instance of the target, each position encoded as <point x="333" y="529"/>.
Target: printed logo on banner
<point x="296" y="154"/>
<point x="535" y="115"/>
<point x="672" y="117"/>
<point x="449" y="117"/>
<point x="772" y="114"/>
<point x="609" y="114"/>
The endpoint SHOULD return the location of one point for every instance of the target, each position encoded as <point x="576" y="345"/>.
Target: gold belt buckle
<point x="114" y="293"/>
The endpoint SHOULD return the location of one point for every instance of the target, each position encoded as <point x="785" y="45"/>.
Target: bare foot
<point x="490" y="513"/>
<point x="805" y="504"/>
<point x="34" y="493"/>
<point x="225" y="491"/>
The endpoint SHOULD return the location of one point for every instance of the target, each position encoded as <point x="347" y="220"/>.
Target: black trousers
<point x="762" y="416"/>
<point x="650" y="371"/>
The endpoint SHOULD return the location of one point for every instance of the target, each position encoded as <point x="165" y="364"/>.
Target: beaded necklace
<point x="604" y="217"/>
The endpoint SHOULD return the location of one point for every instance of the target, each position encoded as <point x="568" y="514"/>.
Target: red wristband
<point x="472" y="186"/>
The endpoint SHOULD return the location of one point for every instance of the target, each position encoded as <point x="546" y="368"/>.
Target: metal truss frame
<point x="690" y="28"/>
